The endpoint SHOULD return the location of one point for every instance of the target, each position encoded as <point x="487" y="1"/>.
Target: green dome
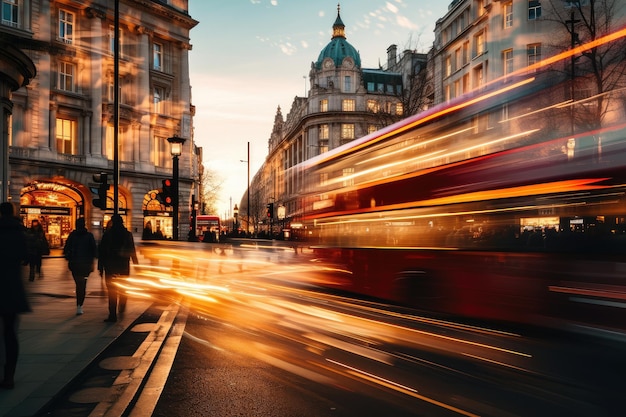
<point x="338" y="48"/>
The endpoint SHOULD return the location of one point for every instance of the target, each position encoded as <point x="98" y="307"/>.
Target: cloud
<point x="405" y="22"/>
<point x="287" y="48"/>
<point x="391" y="7"/>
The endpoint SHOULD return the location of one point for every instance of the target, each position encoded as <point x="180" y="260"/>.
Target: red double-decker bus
<point x="208" y="228"/>
<point x="508" y="204"/>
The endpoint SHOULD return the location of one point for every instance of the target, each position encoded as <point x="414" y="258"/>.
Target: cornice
<point x="165" y="11"/>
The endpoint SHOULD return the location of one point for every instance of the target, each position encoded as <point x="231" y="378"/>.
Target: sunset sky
<point x="251" y="56"/>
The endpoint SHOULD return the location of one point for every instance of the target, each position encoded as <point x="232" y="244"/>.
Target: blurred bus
<point x="508" y="204"/>
<point x="208" y="228"/>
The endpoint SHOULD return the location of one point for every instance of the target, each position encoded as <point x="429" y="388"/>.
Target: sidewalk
<point x="55" y="343"/>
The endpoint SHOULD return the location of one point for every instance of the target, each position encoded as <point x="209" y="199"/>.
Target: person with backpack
<point x="80" y="251"/>
<point x="117" y="248"/>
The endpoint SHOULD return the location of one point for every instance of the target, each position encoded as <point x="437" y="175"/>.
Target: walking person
<point x="117" y="248"/>
<point x="80" y="251"/>
<point x="38" y="246"/>
<point x="13" y="300"/>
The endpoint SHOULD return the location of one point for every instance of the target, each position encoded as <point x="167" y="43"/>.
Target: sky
<point x="250" y="56"/>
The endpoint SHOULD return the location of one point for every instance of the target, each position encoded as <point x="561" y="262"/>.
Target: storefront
<point x="55" y="205"/>
<point x="157" y="218"/>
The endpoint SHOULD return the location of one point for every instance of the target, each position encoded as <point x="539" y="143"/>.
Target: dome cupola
<point x="339" y="48"/>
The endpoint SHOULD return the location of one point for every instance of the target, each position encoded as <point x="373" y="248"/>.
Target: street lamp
<point x="176" y="150"/>
<point x="248" y="189"/>
<point x="235" y="214"/>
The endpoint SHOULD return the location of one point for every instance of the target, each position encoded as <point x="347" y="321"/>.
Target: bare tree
<point x="210" y="187"/>
<point x="416" y="94"/>
<point x="599" y="72"/>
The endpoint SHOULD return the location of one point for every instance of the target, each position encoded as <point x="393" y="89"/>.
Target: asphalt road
<point x="260" y="343"/>
<point x="255" y="337"/>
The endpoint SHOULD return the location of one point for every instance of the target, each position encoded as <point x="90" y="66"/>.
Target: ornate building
<point x="61" y="129"/>
<point x="344" y="102"/>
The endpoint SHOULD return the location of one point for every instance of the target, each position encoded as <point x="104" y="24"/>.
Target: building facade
<point x="345" y="102"/>
<point x="480" y="45"/>
<point x="61" y="128"/>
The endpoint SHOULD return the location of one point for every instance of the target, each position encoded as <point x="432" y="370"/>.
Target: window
<point x="457" y="59"/>
<point x="534" y="9"/>
<point x="371" y="87"/>
<point x="160" y="152"/>
<point x="448" y="66"/>
<point x="348" y="105"/>
<point x="371" y="128"/>
<point x="478" y="76"/>
<point x="66" y="76"/>
<point x="372" y="106"/>
<point x="10" y="126"/>
<point x="111" y="39"/>
<point x="479" y="44"/>
<point x="347" y="84"/>
<point x="507" y="61"/>
<point x="466" y="54"/>
<point x="324" y="105"/>
<point x="110" y="91"/>
<point x="508" y="14"/>
<point x="533" y="51"/>
<point x="504" y="114"/>
<point x="399" y="109"/>
<point x="158" y="99"/>
<point x="324" y="178"/>
<point x="125" y="89"/>
<point x="347" y="131"/>
<point x="65" y="135"/>
<point x="348" y="174"/>
<point x="466" y="83"/>
<point x="66" y="26"/>
<point x="157" y="56"/>
<point x="457" y="88"/>
<point x="323" y="132"/>
<point x="10" y="13"/>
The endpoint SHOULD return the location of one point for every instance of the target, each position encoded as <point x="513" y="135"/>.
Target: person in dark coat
<point x="117" y="248"/>
<point x="13" y="299"/>
<point x="37" y="247"/>
<point x="80" y="251"/>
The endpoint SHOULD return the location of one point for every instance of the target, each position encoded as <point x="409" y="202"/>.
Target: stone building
<point x="61" y="128"/>
<point x="345" y="102"/>
<point x="480" y="45"/>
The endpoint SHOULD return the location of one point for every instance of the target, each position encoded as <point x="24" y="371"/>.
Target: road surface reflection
<point x="266" y="304"/>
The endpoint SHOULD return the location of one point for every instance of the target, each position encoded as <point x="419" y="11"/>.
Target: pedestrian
<point x="117" y="248"/>
<point x="80" y="251"/>
<point x="13" y="300"/>
<point x="147" y="231"/>
<point x="37" y="247"/>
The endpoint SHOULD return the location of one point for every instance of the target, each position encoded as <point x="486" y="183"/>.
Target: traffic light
<point x="103" y="187"/>
<point x="167" y="194"/>
<point x="270" y="211"/>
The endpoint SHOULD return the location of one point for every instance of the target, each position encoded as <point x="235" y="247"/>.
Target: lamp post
<point x="176" y="150"/>
<point x="248" y="190"/>
<point x="235" y="214"/>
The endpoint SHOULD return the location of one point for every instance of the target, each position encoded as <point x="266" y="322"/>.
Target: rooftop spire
<point x="338" y="26"/>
